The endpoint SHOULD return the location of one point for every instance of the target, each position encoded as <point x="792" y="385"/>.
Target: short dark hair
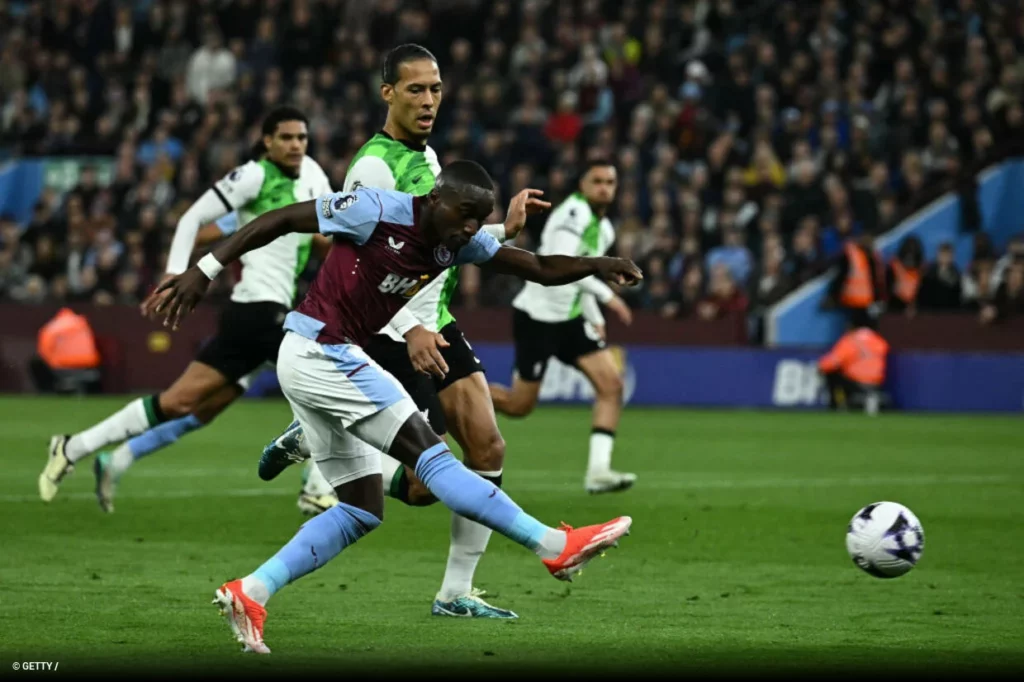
<point x="597" y="162"/>
<point x="280" y="115"/>
<point x="409" y="52"/>
<point x="463" y="174"/>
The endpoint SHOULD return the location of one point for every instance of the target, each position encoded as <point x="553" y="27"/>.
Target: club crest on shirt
<point x="443" y="255"/>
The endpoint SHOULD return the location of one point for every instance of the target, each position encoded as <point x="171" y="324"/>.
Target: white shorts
<point x="349" y="407"/>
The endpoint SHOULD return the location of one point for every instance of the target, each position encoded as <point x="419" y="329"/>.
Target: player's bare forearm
<point x="178" y="296"/>
<point x="299" y="217"/>
<point x="558" y="270"/>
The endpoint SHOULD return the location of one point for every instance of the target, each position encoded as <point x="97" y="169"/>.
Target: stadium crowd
<point x="751" y="138"/>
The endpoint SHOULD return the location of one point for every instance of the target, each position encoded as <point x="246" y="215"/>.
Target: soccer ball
<point x="885" y="539"/>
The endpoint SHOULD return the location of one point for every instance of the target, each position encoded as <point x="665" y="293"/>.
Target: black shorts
<point x="393" y="356"/>
<point x="459" y="357"/>
<point x="536" y="342"/>
<point x="248" y="335"/>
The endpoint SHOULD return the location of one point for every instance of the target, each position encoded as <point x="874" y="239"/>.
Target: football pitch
<point x="736" y="561"/>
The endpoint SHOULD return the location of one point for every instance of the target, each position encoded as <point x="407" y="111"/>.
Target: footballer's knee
<point x="176" y="403"/>
<point x="365" y="493"/>
<point x="418" y="495"/>
<point x="608" y="385"/>
<point x="488" y="455"/>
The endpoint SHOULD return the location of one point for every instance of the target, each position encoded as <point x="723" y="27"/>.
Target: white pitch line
<point x="654" y="482"/>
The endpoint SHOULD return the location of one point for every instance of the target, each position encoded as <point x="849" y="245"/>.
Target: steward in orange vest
<point x="856" y="287"/>
<point x="65" y="344"/>
<point x="905" y="271"/>
<point x="855" y="366"/>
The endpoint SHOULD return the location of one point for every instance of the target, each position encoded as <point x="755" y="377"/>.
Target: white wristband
<point x="210" y="266"/>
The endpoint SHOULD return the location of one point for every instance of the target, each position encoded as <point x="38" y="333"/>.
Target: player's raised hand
<point x="620" y="271"/>
<point x="524" y="204"/>
<point x="423" y="348"/>
<point x="176" y="297"/>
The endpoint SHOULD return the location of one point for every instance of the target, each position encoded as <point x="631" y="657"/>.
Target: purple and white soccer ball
<point x="885" y="539"/>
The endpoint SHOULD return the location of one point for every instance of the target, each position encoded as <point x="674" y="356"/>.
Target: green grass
<point x="736" y="561"/>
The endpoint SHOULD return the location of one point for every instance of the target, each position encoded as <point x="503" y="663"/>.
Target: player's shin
<point x="318" y="541"/>
<point x="468" y="543"/>
<point x="477" y="499"/>
<point x="134" y="418"/>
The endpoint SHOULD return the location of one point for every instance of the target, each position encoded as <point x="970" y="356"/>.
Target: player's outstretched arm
<point x="180" y="294"/>
<point x="557" y="270"/>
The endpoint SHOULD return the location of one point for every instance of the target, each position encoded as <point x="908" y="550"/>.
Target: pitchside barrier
<point x="756" y="378"/>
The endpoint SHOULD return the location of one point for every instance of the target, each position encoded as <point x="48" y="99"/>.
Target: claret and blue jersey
<point x="379" y="261"/>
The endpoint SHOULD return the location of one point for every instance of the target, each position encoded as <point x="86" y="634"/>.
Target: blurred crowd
<point x="752" y="138"/>
<point x="992" y="286"/>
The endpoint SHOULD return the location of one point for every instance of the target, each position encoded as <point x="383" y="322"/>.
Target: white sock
<point x="552" y="544"/>
<point x="316" y="484"/>
<point x="121" y="460"/>
<point x="389" y="466"/>
<point x="130" y="421"/>
<point x="255" y="590"/>
<point x="601" y="443"/>
<point x="468" y="543"/>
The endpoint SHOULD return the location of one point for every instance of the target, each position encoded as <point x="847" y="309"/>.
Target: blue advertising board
<point x="756" y="378"/>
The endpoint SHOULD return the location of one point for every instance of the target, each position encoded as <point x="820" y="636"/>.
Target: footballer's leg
<point x="398" y="429"/>
<point x="197" y="383"/>
<point x="108" y="467"/>
<point x="517" y="400"/>
<point x="338" y="390"/>
<point x="563" y="551"/>
<point x="605" y="376"/>
<point x="470" y="417"/>
<point x="535" y="343"/>
<point x="325" y="388"/>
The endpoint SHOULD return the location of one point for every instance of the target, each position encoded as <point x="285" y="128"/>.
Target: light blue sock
<point x="318" y="541"/>
<point x="162" y="435"/>
<point x="476" y="498"/>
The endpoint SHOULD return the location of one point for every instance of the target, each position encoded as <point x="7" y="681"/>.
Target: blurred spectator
<point x="723" y="297"/>
<point x="856" y="287"/>
<point x="772" y="282"/>
<point x="940" y="286"/>
<point x="1008" y="300"/>
<point x="1014" y="253"/>
<point x="904" y="275"/>
<point x="806" y="260"/>
<point x="733" y="254"/>
<point x="977" y="289"/>
<point x="211" y="67"/>
<point x="688" y="293"/>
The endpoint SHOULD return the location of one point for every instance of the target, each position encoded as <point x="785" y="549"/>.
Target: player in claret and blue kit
<point x="386" y="246"/>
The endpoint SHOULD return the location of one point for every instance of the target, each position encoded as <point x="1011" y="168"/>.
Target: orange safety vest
<point x="67" y="342"/>
<point x="907" y="281"/>
<point x="858" y="289"/>
<point x="860" y="355"/>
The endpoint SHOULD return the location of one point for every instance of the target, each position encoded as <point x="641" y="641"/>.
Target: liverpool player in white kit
<point x="386" y="246"/>
<point x="249" y="332"/>
<point x="565" y="322"/>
